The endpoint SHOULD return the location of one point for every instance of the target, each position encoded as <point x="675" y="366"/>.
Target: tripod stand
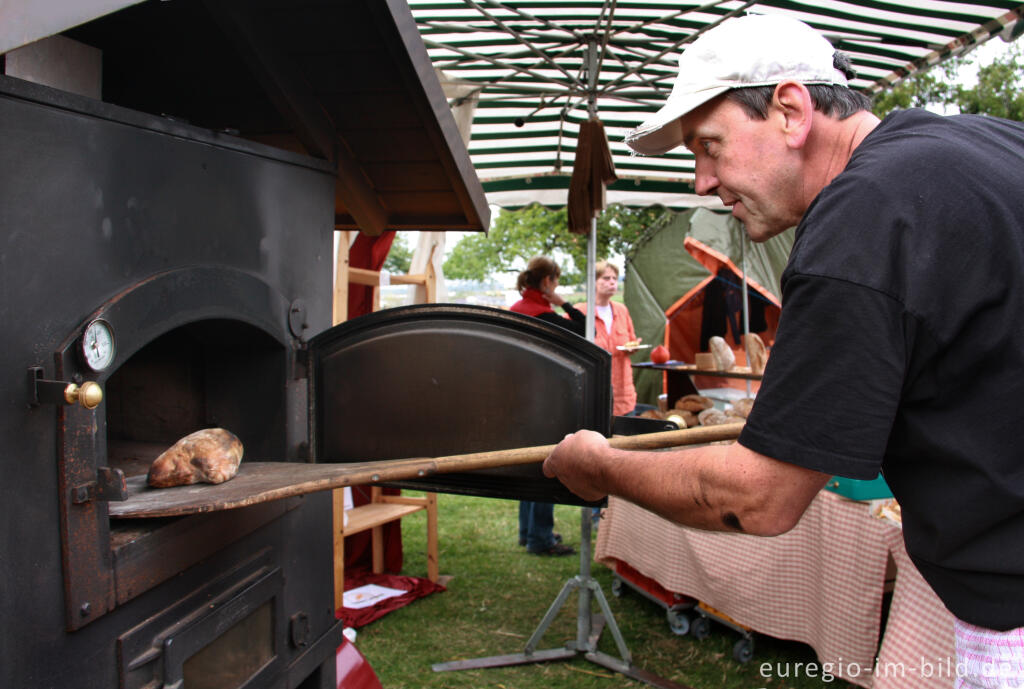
<point x="588" y="629"/>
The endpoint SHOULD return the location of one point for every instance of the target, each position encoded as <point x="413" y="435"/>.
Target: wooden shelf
<point x="372" y="516"/>
<point x="376" y="514"/>
<point x="742" y="372"/>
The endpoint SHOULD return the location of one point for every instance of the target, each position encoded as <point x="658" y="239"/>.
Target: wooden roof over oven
<point x="349" y="82"/>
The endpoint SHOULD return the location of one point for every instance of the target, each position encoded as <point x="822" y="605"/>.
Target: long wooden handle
<point x="418" y="467"/>
<point x="531" y="455"/>
<point x="258" y="482"/>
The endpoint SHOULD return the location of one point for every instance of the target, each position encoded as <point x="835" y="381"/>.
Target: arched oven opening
<point x="209" y="374"/>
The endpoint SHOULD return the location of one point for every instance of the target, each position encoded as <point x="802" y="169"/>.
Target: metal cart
<point x="676" y="605"/>
<point x="700" y="628"/>
<point x="685" y="615"/>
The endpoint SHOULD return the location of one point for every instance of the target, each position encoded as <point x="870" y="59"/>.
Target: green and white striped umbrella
<point x="536" y="69"/>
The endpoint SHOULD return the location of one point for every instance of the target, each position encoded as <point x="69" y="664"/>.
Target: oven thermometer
<point x="98" y="345"/>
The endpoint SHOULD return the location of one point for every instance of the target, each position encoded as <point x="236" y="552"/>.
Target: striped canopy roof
<point x="525" y="66"/>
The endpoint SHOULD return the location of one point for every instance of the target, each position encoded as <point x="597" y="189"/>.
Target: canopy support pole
<point x="591" y="68"/>
<point x="591" y="279"/>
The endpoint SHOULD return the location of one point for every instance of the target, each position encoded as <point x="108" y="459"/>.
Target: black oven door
<point x="445" y="379"/>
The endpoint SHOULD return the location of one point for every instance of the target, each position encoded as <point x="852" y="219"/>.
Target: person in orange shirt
<point x="613" y="328"/>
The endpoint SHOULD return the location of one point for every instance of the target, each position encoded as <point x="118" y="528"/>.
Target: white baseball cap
<point x="755" y="50"/>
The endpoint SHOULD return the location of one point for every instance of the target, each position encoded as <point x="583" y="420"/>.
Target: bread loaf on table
<point x="211" y="455"/>
<point x="724" y="357"/>
<point x="757" y="353"/>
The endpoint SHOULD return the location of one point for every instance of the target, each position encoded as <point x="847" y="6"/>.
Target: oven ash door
<point x="229" y="634"/>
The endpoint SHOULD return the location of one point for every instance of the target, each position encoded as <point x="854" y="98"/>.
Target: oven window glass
<point x="236" y="655"/>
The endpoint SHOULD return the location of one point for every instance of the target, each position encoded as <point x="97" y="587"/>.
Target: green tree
<point x="919" y="90"/>
<point x="999" y="90"/>
<point x="516" y="236"/>
<point x="399" y="256"/>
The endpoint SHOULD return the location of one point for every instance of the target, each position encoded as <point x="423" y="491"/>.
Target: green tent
<point x="682" y="281"/>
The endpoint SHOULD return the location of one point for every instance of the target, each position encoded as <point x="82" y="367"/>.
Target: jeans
<point x="536" y="525"/>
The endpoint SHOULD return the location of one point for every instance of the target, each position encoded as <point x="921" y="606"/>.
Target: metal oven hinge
<point x="109" y="486"/>
<point x="301" y="367"/>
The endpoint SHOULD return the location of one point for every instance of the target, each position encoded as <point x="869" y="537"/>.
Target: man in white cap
<point x="901" y="343"/>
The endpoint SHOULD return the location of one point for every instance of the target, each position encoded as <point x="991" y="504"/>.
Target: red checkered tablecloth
<point x="820" y="584"/>
<point x="919" y="647"/>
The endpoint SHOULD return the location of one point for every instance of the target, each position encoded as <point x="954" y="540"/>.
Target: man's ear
<point x="793" y="103"/>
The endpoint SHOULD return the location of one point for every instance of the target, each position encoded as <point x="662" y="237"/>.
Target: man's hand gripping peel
<point x="579" y="462"/>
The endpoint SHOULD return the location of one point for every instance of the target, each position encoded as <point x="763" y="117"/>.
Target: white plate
<point x="624" y="348"/>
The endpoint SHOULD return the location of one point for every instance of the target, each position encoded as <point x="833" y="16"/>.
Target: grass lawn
<point x="498" y="596"/>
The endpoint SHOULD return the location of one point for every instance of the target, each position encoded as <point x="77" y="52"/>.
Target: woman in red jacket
<point x="537" y="286"/>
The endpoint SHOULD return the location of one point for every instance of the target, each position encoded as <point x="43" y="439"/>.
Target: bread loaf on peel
<point x="211" y="455"/>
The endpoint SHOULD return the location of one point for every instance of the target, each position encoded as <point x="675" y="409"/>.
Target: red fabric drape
<point x="370" y="253"/>
<point x="415" y="588"/>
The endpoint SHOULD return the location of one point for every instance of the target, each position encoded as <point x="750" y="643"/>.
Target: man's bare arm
<point x="715" y="487"/>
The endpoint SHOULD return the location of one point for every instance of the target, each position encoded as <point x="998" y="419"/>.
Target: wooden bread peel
<point x="258" y="482"/>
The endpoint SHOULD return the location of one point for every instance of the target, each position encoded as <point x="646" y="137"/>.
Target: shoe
<point x="522" y="541"/>
<point x="556" y="549"/>
<point x="556" y="536"/>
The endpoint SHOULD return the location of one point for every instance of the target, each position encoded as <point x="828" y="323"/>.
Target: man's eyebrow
<point x="688" y="137"/>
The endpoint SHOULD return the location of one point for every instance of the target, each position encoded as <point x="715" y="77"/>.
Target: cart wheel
<point x="678" y="622"/>
<point x="617" y="587"/>
<point x="700" y="628"/>
<point x="743" y="651"/>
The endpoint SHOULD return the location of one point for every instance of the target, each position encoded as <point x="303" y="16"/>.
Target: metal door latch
<point x="88" y="394"/>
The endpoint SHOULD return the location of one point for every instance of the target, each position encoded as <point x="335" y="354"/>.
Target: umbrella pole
<point x="592" y="237"/>
<point x="591" y="280"/>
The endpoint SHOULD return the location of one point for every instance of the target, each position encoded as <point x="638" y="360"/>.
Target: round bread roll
<point x="714" y="417"/>
<point x="743" y="406"/>
<point x="694" y="403"/>
<point x="211" y="455"/>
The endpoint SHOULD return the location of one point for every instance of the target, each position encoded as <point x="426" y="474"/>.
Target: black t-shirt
<point x="901" y="348"/>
